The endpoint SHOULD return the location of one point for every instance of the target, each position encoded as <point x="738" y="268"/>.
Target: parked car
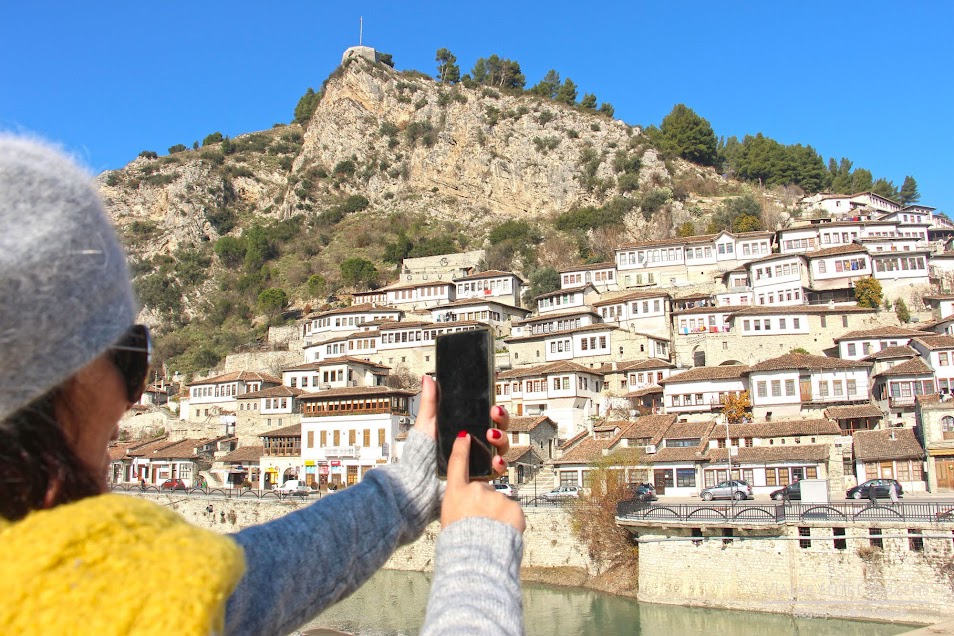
<point x="881" y="489"/>
<point x="294" y="487"/>
<point x="562" y="493"/>
<point x="735" y="489"/>
<point x="792" y="492"/>
<point x="641" y="492"/>
<point x="173" y="484"/>
<point x="506" y="490"/>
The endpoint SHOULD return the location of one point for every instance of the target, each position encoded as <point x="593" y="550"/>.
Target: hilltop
<point x="392" y="164"/>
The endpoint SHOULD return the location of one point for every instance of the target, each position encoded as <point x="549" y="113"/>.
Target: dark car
<point x="881" y="486"/>
<point x="641" y="492"/>
<point x="173" y="484"/>
<point x="792" y="492"/>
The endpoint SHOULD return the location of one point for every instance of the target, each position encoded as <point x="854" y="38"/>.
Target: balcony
<point x="898" y="402"/>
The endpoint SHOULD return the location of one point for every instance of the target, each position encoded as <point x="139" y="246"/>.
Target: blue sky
<point x="871" y="81"/>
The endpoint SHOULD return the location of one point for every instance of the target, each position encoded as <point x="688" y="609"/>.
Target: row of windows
<point x="867" y="348"/>
<point x="327" y="376"/>
<point x="392" y="404"/>
<point x="592" y="342"/>
<point x="788" y="269"/>
<point x="556" y="325"/>
<point x="501" y="284"/>
<point x="915" y="387"/>
<point x="800" y="244"/>
<point x="221" y="390"/>
<point x="419" y="292"/>
<point x="560" y="346"/>
<point x="352" y="435"/>
<point x="784" y="295"/>
<point x="896" y="264"/>
<point x="765" y="324"/>
<point x="638" y="379"/>
<point x="558" y="300"/>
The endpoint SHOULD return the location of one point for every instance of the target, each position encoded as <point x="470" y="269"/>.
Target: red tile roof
<point x="914" y="366"/>
<point x="892" y="443"/>
<point x="527" y="424"/>
<point x="547" y="369"/>
<point x="849" y="412"/>
<point x="696" y="374"/>
<point x="243" y="454"/>
<point x="806" y="361"/>
<point x="238" y="376"/>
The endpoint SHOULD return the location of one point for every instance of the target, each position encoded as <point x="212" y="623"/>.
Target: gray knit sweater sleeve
<point x="476" y="587"/>
<point x="301" y="563"/>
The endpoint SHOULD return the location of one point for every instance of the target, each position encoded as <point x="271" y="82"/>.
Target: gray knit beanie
<point x="65" y="294"/>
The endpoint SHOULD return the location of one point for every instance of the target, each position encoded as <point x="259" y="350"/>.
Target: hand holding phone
<point x="465" y="378"/>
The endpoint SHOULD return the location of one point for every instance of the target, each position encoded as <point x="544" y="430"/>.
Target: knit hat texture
<point x="65" y="293"/>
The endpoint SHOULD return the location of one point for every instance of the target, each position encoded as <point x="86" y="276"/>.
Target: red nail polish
<point x="498" y="411"/>
<point x="462" y="434"/>
<point x="495" y="433"/>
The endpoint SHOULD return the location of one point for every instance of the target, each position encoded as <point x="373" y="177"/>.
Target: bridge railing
<point x="778" y="513"/>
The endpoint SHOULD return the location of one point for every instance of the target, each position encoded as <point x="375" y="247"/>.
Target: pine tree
<point x="909" y="191"/>
<point x="567" y="92"/>
<point x="448" y="72"/>
<point x="689" y="136"/>
<point x="548" y="86"/>
<point x="588" y="101"/>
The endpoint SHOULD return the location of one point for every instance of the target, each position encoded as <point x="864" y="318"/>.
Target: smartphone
<point x="465" y="382"/>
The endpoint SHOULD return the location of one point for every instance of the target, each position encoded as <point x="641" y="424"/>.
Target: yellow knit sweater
<point x="114" y="564"/>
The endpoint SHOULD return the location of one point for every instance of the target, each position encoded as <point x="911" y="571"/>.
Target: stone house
<point x="420" y="295"/>
<point x="265" y="410"/>
<point x="566" y="392"/>
<point x="533" y="441"/>
<point x="212" y="397"/>
<point x="638" y="311"/>
<point x="237" y="467"/>
<point x="778" y="279"/>
<point x="632" y="375"/>
<point x="938" y="353"/>
<point x="809" y="327"/>
<point x="892" y="453"/>
<point x="578" y="298"/>
<point x="678" y="458"/>
<point x="601" y="275"/>
<point x="856" y="417"/>
<point x="281" y="457"/>
<point x="935" y="428"/>
<point x="490" y="311"/>
<point x="505" y="288"/>
<point x="335" y="373"/>
<point x="800" y="384"/>
<point x="896" y="388"/>
<point x="700" y="392"/>
<point x="342" y="321"/>
<point x="855" y="345"/>
<point x="833" y="271"/>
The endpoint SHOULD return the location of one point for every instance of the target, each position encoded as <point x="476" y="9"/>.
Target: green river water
<point x="392" y="603"/>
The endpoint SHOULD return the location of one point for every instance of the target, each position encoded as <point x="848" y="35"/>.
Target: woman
<point x="74" y="559"/>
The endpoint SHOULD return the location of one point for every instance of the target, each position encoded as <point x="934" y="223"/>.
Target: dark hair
<point x="36" y="458"/>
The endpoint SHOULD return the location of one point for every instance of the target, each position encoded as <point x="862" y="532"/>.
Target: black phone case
<point x="465" y="381"/>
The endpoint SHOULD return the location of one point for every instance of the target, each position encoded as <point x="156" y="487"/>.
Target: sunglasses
<point x="131" y="355"/>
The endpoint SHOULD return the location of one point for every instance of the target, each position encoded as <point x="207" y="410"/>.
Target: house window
<point x="686" y="477"/>
<point x="776" y="388"/>
<point x="790" y="388"/>
<point x="852" y="388"/>
<point x="761" y="389"/>
<point x="823" y="388"/>
<point x="852" y="350"/>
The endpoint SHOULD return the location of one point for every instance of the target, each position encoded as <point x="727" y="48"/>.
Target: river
<point x="392" y="604"/>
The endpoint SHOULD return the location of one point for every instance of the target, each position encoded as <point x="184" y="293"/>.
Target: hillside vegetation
<point x="228" y="236"/>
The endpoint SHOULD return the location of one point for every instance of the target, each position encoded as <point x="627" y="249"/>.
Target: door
<point x="945" y="472"/>
<point x="662" y="479"/>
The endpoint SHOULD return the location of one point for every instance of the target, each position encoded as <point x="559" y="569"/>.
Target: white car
<point x="562" y="493"/>
<point x="505" y="490"/>
<point x="294" y="487"/>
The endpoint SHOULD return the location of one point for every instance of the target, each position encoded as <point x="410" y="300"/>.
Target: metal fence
<point x="742" y="513"/>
